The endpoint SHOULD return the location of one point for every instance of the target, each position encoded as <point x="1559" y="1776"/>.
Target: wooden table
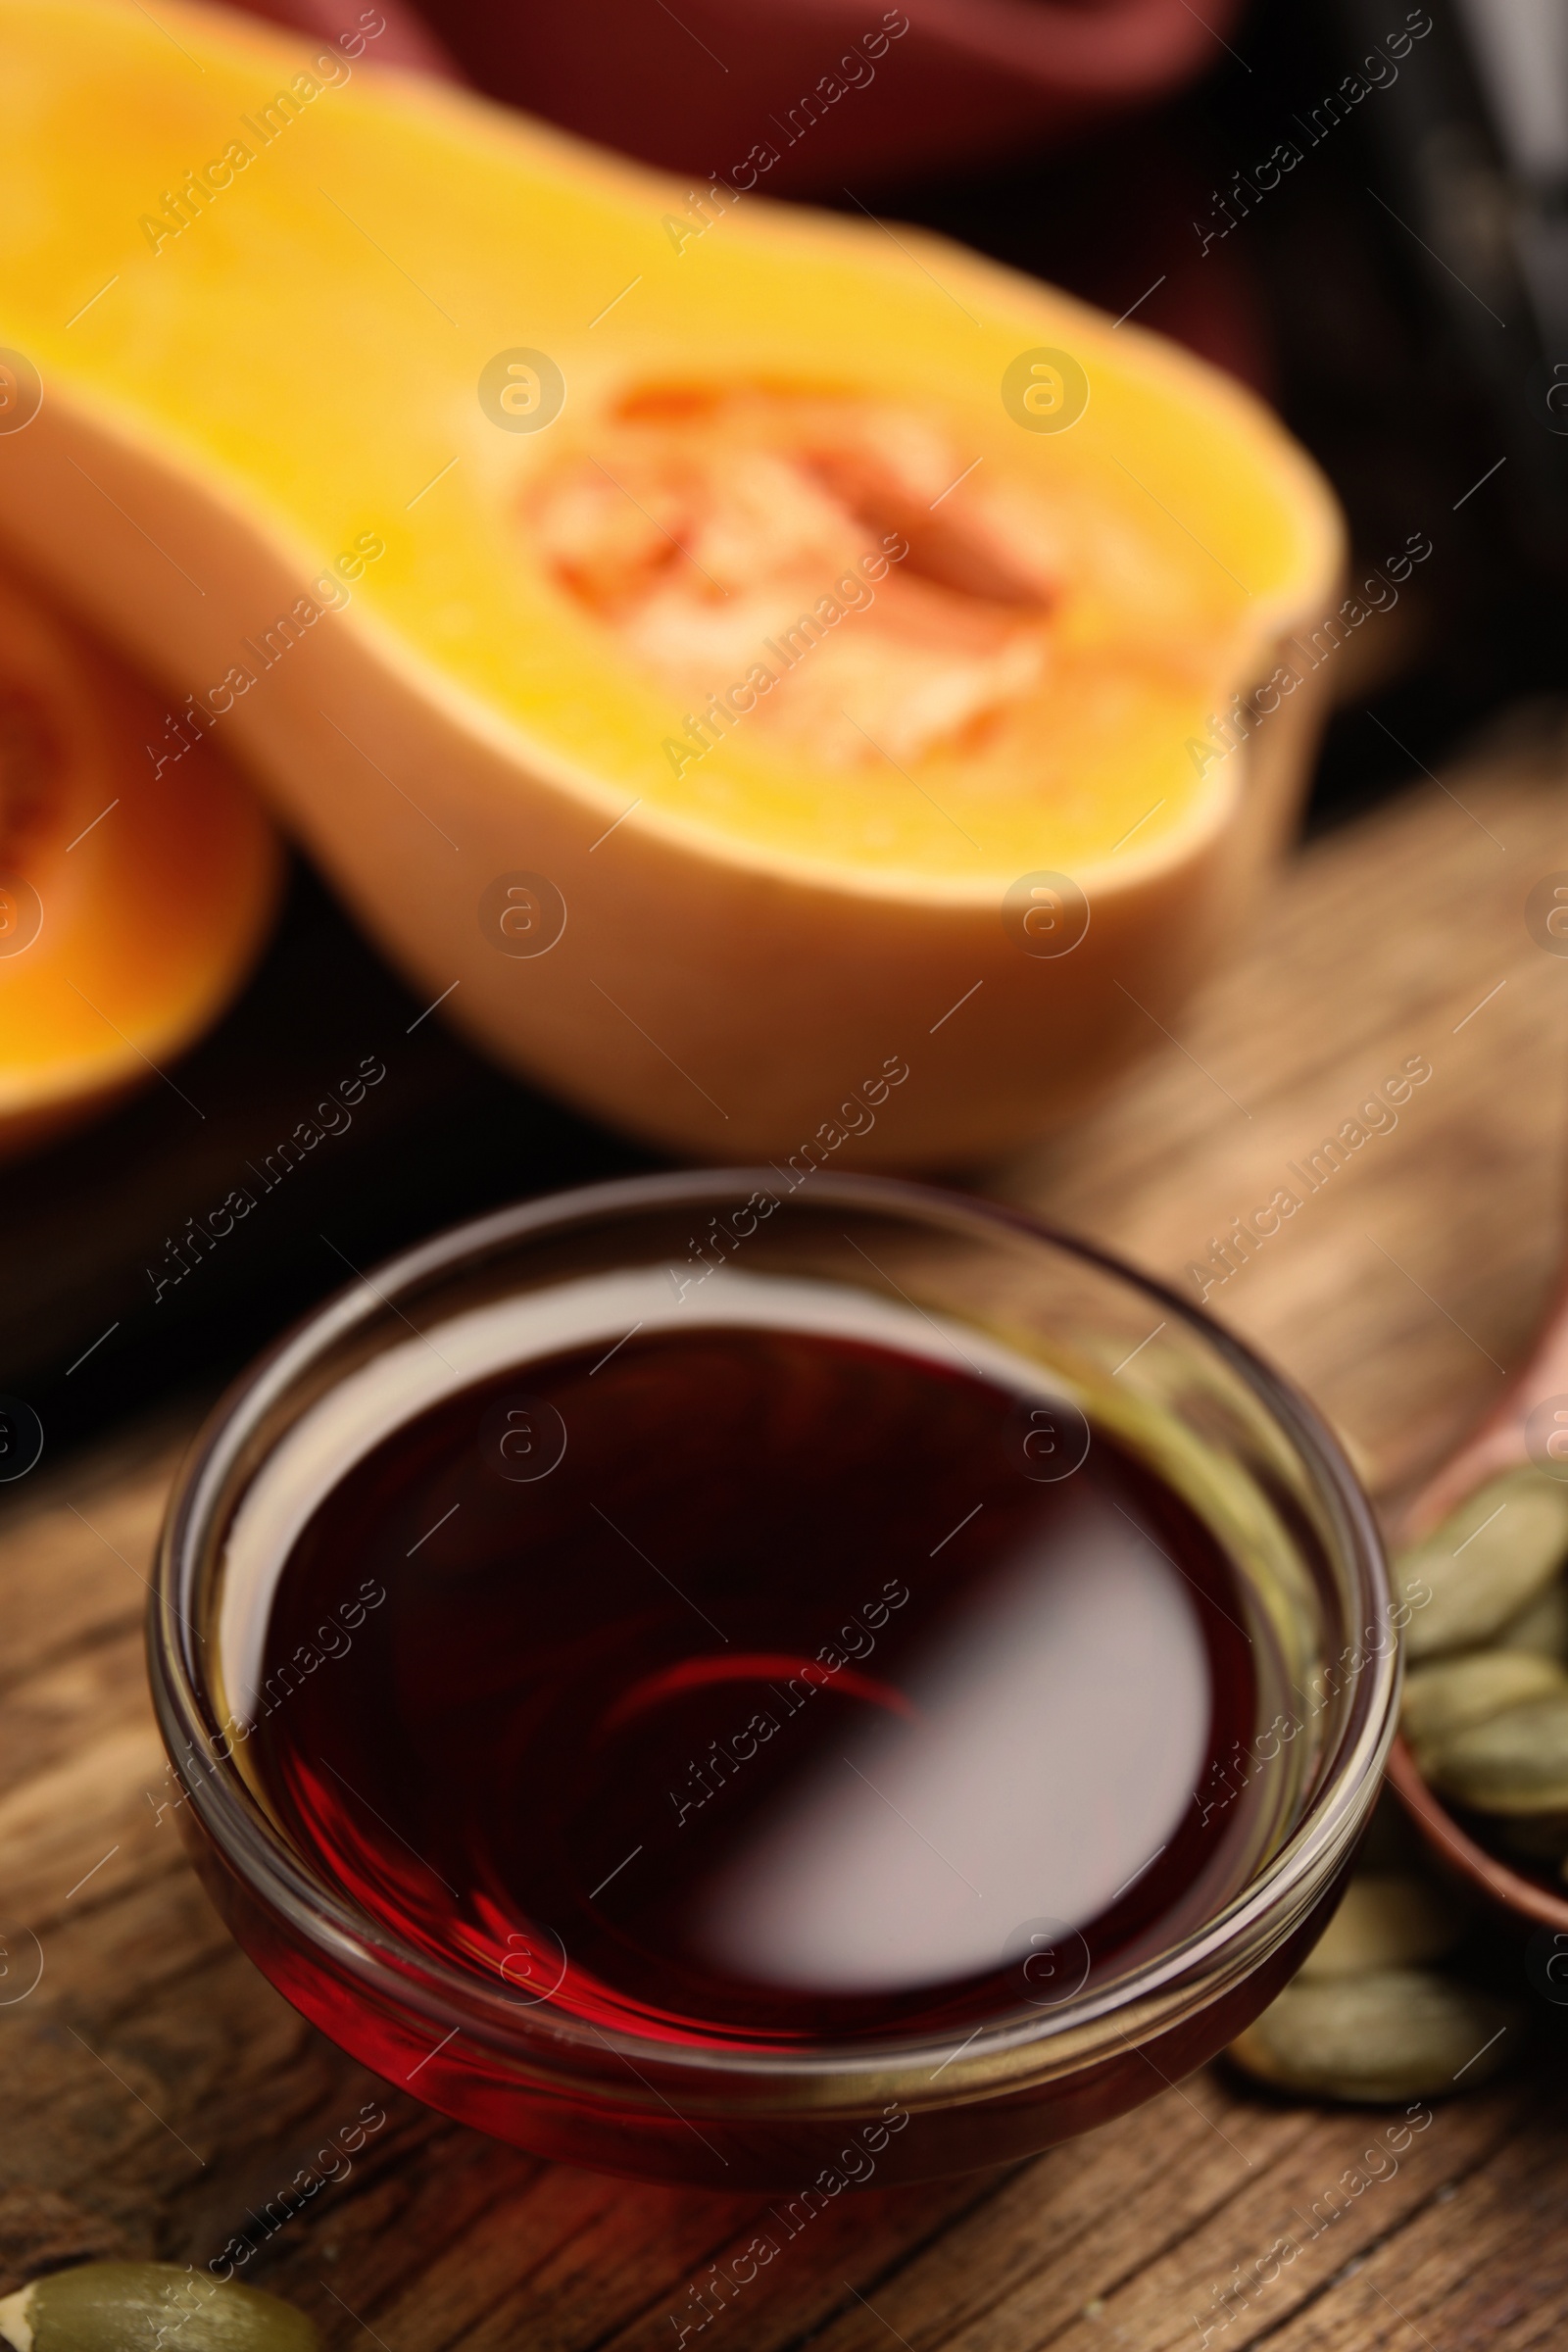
<point x="157" y="2093"/>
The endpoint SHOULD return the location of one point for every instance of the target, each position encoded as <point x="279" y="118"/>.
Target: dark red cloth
<point x="694" y="85"/>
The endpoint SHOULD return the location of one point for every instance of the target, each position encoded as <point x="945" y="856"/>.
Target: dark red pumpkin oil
<point x="763" y="1686"/>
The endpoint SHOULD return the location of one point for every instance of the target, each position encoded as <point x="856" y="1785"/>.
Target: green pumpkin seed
<point x="1541" y="1627"/>
<point x="149" y="2307"/>
<point x="1394" y="2034"/>
<point x="1385" y="1920"/>
<point x="1451" y="1694"/>
<point x="1513" y="1763"/>
<point x="1487" y="1561"/>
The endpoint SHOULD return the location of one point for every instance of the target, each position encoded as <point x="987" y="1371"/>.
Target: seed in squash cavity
<point x="882" y="596"/>
<point x="27" y="760"/>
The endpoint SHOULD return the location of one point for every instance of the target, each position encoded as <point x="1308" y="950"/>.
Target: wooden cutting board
<point x="159" y="2097"/>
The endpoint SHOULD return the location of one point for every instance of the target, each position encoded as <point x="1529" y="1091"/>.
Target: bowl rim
<point x="1459" y="1852"/>
<point x="1164" y="1990"/>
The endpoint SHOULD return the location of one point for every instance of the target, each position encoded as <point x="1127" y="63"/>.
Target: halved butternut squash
<point x="130" y="903"/>
<point x="718" y="649"/>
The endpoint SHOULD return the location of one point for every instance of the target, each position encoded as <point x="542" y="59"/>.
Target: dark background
<point x="1377" y="296"/>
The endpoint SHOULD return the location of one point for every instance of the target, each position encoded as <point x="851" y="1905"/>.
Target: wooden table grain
<point x="156" y="2096"/>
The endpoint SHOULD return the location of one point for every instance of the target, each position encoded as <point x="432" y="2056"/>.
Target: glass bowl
<point x="517" y="2058"/>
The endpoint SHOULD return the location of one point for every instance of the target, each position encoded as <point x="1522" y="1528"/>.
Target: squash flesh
<point x="155" y="891"/>
<point x="378" y="222"/>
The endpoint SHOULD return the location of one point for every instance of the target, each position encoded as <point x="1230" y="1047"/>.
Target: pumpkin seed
<point x="1385" y="1920"/>
<point x="1514" y="1763"/>
<point x="1542" y="1626"/>
<point x="1451" y="1694"/>
<point x="1487" y="1561"/>
<point x="144" y="2306"/>
<point x="1394" y="2034"/>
